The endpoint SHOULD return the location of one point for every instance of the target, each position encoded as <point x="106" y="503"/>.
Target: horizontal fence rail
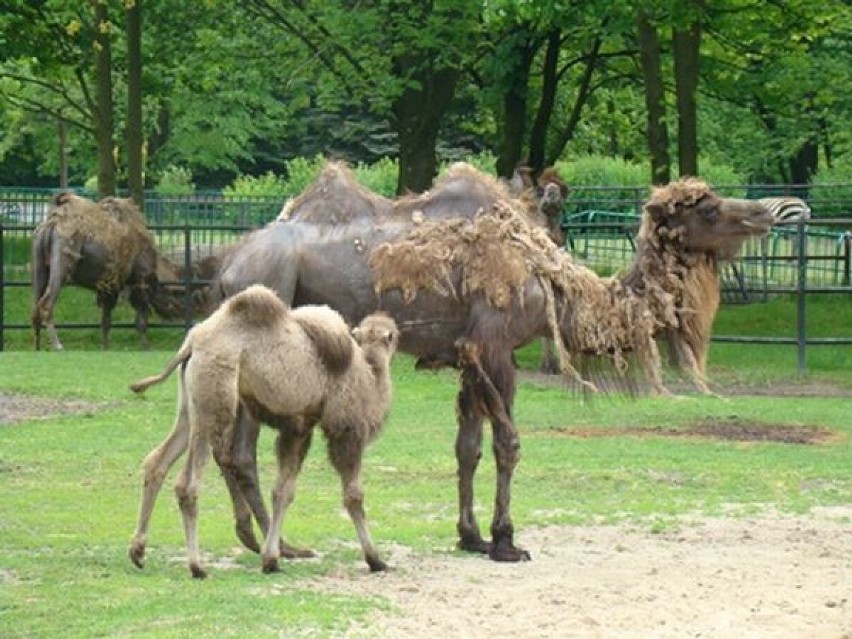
<point x="600" y="224"/>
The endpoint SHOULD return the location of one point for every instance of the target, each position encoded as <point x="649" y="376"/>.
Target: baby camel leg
<point x="156" y="467"/>
<point x="291" y="446"/>
<point x="346" y="457"/>
<point x="186" y="490"/>
<point x="242" y="480"/>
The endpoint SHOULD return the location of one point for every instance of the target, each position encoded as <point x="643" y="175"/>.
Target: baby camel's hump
<point x="277" y="359"/>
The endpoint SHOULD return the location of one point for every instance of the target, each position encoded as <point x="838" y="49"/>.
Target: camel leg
<point x="107" y="303"/>
<point x="186" y="490"/>
<point x="497" y="406"/>
<point x="291" y="447"/>
<point x="346" y="456"/>
<point x="139" y="301"/>
<point x="242" y="480"/>
<point x="549" y="363"/>
<point x="156" y="466"/>
<point x="468" y="454"/>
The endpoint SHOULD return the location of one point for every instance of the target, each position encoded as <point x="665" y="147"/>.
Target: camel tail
<point x="182" y="356"/>
<point x="47" y="275"/>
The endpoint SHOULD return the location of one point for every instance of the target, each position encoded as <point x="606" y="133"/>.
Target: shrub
<point x="380" y="177"/>
<point x="175" y="180"/>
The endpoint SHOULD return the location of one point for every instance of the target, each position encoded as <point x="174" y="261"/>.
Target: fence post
<point x="801" y="286"/>
<point x="847" y="258"/>
<point x="188" y="278"/>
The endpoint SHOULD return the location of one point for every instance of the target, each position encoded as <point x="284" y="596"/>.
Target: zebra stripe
<point x="787" y="210"/>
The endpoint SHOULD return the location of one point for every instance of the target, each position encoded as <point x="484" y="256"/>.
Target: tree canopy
<point x="126" y="90"/>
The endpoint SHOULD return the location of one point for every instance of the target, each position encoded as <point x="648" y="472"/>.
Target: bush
<point x="301" y="173"/>
<point x="380" y="177"/>
<point x="175" y="180"/>
<point x="266" y="185"/>
<point x="832" y="195"/>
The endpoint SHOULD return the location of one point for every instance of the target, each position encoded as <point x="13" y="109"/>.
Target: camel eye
<point x="709" y="213"/>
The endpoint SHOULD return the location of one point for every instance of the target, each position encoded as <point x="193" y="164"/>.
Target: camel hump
<point x="257" y="306"/>
<point x="329" y="332"/>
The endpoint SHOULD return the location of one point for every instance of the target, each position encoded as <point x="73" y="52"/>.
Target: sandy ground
<point x="760" y="578"/>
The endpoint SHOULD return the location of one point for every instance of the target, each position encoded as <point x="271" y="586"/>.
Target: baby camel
<point x="289" y="368"/>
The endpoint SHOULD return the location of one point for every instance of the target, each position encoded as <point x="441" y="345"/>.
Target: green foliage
<point x="254" y="185"/>
<point x="301" y="173"/>
<point x="833" y="197"/>
<point x="380" y="177"/>
<point x="175" y="180"/>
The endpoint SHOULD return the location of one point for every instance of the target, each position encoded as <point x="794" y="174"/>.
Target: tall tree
<point x="517" y="50"/>
<point x="655" y="101"/>
<point x="686" y="41"/>
<point x="134" y="134"/>
<point x="103" y="118"/>
<point x="400" y="59"/>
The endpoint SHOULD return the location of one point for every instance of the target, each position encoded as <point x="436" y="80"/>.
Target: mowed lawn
<point x="71" y="484"/>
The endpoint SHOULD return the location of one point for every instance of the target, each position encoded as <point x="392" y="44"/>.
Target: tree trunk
<point x="657" y="132"/>
<point x="515" y="106"/>
<point x="803" y="165"/>
<point x="103" y="118"/>
<point x="550" y="82"/>
<point x="417" y="116"/>
<point x="685" y="50"/>
<point x="134" y="136"/>
<point x="62" y="139"/>
<point x="565" y="134"/>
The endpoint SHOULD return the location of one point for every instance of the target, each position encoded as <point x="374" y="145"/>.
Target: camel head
<point x="688" y="216"/>
<point x="377" y="329"/>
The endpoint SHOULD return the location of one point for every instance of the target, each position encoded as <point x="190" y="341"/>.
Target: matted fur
<point x="115" y="223"/>
<point x="495" y="255"/>
<point x="680" y="283"/>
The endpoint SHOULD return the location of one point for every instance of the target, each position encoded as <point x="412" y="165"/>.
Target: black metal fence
<point x="808" y="258"/>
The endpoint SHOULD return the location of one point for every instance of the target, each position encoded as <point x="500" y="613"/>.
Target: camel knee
<point x="353" y="497"/>
<point x="187" y="499"/>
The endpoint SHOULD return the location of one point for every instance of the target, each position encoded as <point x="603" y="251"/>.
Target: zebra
<point x="786" y="209"/>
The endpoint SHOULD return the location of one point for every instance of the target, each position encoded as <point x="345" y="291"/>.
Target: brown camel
<point x="675" y="263"/>
<point x="104" y="247"/>
<point x="292" y="369"/>
<point x="324" y="256"/>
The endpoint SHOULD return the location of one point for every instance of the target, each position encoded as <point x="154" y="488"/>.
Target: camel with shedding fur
<point x="677" y="265"/>
<point x="104" y="247"/>
<point x="467" y="291"/>
<point x="289" y="368"/>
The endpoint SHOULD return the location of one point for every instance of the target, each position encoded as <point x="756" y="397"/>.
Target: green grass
<point x="71" y="489"/>
<point x="71" y="484"/>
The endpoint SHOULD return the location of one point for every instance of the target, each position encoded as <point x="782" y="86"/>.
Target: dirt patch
<point x="730" y="429"/>
<point x="20" y="408"/>
<point x="770" y="577"/>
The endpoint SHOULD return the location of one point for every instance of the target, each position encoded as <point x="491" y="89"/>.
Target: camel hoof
<point x="293" y="552"/>
<point x="245" y="534"/>
<point x="477" y="544"/>
<point x="137" y="554"/>
<point x="197" y="571"/>
<point x="270" y="566"/>
<point x="508" y="553"/>
<point x="376" y="564"/>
